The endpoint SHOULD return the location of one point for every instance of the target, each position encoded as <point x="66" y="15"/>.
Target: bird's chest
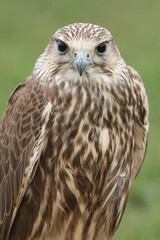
<point x="84" y="137"/>
<point x="79" y="124"/>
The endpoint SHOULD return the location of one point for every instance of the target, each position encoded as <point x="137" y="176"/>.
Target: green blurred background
<point x="26" y="28"/>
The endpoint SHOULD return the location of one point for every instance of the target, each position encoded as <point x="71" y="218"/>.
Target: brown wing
<point x="20" y="147"/>
<point x="141" y="122"/>
<point x="130" y="151"/>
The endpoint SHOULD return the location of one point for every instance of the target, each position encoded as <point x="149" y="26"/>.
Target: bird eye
<point x="101" y="48"/>
<point x="62" y="47"/>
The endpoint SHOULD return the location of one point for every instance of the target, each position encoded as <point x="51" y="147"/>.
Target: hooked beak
<point x="81" y="60"/>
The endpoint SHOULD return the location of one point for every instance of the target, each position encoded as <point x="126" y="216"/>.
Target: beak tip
<point x="80" y="69"/>
<point x="80" y="73"/>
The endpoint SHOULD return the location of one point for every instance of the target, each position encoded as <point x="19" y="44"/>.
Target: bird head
<point x="76" y="50"/>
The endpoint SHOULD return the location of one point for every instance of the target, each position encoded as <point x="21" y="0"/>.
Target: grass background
<point x="25" y="29"/>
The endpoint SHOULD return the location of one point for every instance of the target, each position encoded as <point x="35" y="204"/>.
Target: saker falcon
<point x="72" y="140"/>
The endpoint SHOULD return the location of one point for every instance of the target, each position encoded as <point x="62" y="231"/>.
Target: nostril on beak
<point x="87" y="55"/>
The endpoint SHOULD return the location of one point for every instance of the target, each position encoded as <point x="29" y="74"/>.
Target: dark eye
<point x="101" y="48"/>
<point x="62" y="47"/>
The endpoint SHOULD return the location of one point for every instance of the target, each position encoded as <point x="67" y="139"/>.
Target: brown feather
<point x="16" y="144"/>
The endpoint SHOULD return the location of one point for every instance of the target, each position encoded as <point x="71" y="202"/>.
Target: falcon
<point x="72" y="140"/>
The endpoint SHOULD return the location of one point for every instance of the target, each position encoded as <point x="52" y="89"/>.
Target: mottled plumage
<point x="72" y="140"/>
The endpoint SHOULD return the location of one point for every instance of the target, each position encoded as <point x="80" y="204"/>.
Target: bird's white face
<point x="76" y="51"/>
<point x="81" y="54"/>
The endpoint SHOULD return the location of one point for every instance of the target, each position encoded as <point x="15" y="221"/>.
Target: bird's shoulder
<point x="140" y="96"/>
